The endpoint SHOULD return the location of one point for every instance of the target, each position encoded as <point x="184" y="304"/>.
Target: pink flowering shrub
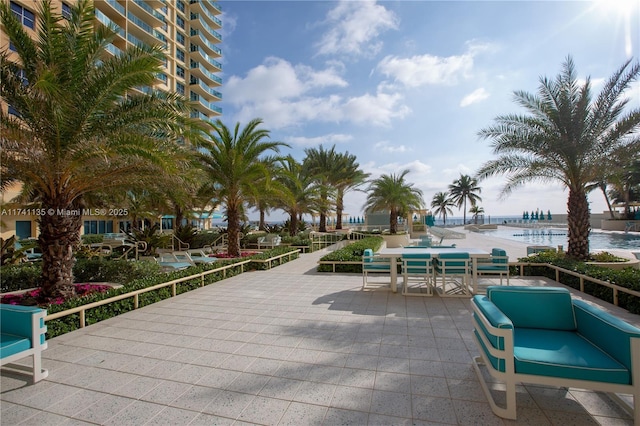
<point x="34" y="297"/>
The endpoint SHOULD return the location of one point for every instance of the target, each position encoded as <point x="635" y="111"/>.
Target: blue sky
<point x="408" y="84"/>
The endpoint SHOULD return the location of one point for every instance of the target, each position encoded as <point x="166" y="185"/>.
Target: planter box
<point x="631" y="263"/>
<point x="396" y="240"/>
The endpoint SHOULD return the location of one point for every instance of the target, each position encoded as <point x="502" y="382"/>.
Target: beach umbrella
<point x="548" y="214"/>
<point x="524" y="215"/>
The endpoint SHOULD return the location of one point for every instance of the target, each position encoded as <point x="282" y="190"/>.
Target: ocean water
<point x="557" y="236"/>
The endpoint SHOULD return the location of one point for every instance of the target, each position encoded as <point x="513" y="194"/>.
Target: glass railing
<point x="150" y="10"/>
<point x="113" y="50"/>
<point x="139" y="22"/>
<point x="209" y="15"/>
<point x="196" y="33"/>
<point x="209" y="59"/>
<point x="117" y="6"/>
<point x="207" y="89"/>
<point x="109" y="23"/>
<point x="209" y="3"/>
<point x="135" y="40"/>
<point x="206" y="26"/>
<point x="206" y="72"/>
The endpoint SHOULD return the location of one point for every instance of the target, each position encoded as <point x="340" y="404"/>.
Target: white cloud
<point x="355" y="27"/>
<point x="283" y="95"/>
<point x="476" y="96"/>
<point x="330" y="139"/>
<point x="421" y="70"/>
<point x="385" y="146"/>
<point x="426" y="69"/>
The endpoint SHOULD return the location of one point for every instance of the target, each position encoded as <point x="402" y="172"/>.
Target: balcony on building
<point x="199" y="39"/>
<point x="151" y="16"/>
<point x="199" y="8"/>
<point x="198" y="86"/>
<point x="197" y="22"/>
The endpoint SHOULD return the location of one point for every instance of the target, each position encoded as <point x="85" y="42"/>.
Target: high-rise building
<point x="189" y="32"/>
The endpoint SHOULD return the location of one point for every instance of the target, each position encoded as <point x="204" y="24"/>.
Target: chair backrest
<point x="535" y="307"/>
<point x="416" y="261"/>
<point x="367" y="255"/>
<point x="499" y="256"/>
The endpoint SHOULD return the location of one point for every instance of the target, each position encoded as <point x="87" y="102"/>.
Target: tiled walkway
<point x="288" y="347"/>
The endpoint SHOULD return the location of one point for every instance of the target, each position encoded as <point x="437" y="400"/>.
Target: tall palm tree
<point x="442" y="204"/>
<point x="566" y="136"/>
<point x="322" y="164"/>
<point x="392" y="192"/>
<point x="301" y="191"/>
<point x="79" y="125"/>
<point x="348" y="176"/>
<point x="464" y="189"/>
<point x="234" y="163"/>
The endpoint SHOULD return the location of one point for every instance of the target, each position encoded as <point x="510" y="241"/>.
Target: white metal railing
<point x="135" y="294"/>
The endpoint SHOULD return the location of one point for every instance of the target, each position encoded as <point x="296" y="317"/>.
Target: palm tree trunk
<point x="578" y="224"/>
<point x="603" y="188"/>
<point x="339" y="210"/>
<point x="393" y="222"/>
<point x="261" y="224"/>
<point x="59" y="233"/>
<point x="233" y="228"/>
<point x="322" y="227"/>
<point x="293" y="224"/>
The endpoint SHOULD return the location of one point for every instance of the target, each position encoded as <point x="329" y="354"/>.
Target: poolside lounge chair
<point x="199" y="256"/>
<point x="170" y="262"/>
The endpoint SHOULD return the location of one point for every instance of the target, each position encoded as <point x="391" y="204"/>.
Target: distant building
<point x="188" y="30"/>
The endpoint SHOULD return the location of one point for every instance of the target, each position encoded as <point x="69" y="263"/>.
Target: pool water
<point x="557" y="236"/>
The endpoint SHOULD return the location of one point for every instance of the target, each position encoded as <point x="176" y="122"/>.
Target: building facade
<point x="189" y="32"/>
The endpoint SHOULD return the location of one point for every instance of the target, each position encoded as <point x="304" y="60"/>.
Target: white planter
<point x="396" y="240"/>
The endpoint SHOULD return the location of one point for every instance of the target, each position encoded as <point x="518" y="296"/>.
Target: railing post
<point x="173" y="290"/>
<point x="581" y="284"/>
<point x="615" y="297"/>
<point x="557" y="275"/>
<point x="136" y="301"/>
<point x="82" y="318"/>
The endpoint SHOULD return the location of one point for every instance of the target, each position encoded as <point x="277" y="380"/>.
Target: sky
<point x="409" y="84"/>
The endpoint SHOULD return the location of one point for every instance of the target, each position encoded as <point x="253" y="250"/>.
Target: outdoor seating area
<point x="281" y="347"/>
<point x="541" y="335"/>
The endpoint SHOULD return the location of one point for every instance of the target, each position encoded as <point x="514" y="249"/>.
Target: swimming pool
<point x="558" y="236"/>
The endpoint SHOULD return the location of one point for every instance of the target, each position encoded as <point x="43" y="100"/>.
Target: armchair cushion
<point x="535" y="307"/>
<point x="557" y="353"/>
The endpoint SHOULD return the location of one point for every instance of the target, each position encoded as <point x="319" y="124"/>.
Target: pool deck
<point x="288" y="346"/>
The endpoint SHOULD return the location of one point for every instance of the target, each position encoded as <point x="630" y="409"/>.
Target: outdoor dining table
<point x="394" y="253"/>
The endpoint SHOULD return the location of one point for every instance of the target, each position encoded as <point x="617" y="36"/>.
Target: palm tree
<point x="322" y="164"/>
<point x="442" y="204"/>
<point x="477" y="210"/>
<point x="301" y="191"/>
<point x="463" y="189"/>
<point x="566" y="136"/>
<point x="234" y="164"/>
<point x="78" y="125"/>
<point x="393" y="193"/>
<point x="348" y="176"/>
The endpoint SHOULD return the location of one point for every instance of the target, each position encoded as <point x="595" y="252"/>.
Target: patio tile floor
<point x="283" y="347"/>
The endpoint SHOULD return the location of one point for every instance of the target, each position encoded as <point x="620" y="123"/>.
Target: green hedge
<point x="350" y="253"/>
<point x="27" y="275"/>
<point x="628" y="277"/>
<point x="72" y="322"/>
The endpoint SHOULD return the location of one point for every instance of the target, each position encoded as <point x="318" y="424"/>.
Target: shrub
<point x="628" y="277"/>
<point x="351" y="253"/>
<point x="71" y="322"/>
<point x="92" y="238"/>
<point x="205" y="238"/>
<point x="114" y="271"/>
<point x="268" y="254"/>
<point x="20" y="277"/>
